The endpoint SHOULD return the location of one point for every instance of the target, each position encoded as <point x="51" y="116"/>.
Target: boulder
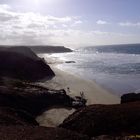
<point x="32" y="98"/>
<point x="95" y="120"/>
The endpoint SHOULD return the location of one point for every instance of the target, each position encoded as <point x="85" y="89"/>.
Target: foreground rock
<point x="31" y="98"/>
<point x="19" y="66"/>
<point x="130" y="97"/>
<point x="20" y="103"/>
<point x="38" y="133"/>
<point x="98" y="120"/>
<point x="10" y="116"/>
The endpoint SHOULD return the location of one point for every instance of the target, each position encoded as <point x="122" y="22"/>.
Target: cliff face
<point x="21" y="65"/>
<point x="98" y="120"/>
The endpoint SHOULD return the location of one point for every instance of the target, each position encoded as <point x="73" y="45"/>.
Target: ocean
<point x="114" y="67"/>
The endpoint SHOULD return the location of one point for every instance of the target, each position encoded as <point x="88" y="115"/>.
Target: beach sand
<point x="93" y="92"/>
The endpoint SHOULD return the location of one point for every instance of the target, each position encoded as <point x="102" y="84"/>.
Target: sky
<point x="71" y="23"/>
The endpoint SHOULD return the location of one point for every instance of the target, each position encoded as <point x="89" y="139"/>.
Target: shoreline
<point x="93" y="92"/>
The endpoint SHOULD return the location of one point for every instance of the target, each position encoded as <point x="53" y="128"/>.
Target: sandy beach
<point x="93" y="92"/>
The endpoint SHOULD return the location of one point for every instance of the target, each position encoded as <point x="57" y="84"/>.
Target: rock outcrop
<point x="19" y="66"/>
<point x="130" y="97"/>
<point x="98" y="120"/>
<point x="20" y="103"/>
<point x="32" y="98"/>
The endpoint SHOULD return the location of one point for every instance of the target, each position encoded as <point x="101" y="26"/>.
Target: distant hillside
<point x="42" y="49"/>
<point x="50" y="49"/>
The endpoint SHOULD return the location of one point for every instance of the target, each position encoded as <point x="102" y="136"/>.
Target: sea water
<point x="115" y="67"/>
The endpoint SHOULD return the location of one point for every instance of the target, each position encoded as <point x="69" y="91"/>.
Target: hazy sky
<point x="72" y="23"/>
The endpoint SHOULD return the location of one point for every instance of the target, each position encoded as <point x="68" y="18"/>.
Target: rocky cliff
<point x="24" y="65"/>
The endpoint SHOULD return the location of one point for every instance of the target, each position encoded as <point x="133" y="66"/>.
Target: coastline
<point x="94" y="93"/>
<point x="22" y="102"/>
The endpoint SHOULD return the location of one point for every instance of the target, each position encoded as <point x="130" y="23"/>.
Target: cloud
<point x="32" y="28"/>
<point x="35" y="29"/>
<point x="76" y="22"/>
<point x="4" y="7"/>
<point x="130" y="24"/>
<point x="100" y="32"/>
<point x="101" y="22"/>
<point x="64" y="25"/>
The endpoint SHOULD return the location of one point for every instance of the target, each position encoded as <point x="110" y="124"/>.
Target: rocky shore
<point x="96" y="120"/>
<point x="22" y="101"/>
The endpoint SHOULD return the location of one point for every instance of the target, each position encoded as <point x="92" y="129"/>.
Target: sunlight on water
<point x="115" y="69"/>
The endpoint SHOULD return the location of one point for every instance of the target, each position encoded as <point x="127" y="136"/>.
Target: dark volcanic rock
<point x="98" y="120"/>
<point x="10" y="116"/>
<point x="21" y="102"/>
<point x="130" y="97"/>
<point x="38" y="133"/>
<point x="19" y="66"/>
<point x="32" y="98"/>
